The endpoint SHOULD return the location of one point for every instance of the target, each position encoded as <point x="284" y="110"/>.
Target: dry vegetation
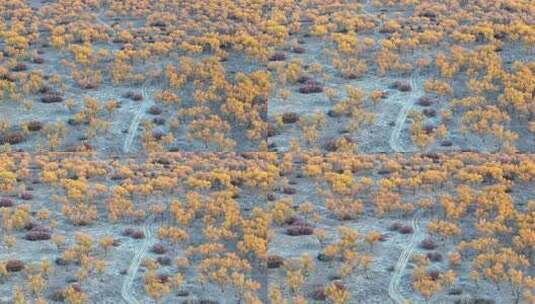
<point x="268" y="228"/>
<point x="382" y="76"/>
<point x="267" y="151"/>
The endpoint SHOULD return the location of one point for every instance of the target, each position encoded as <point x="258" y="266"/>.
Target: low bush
<point x="158" y="249"/>
<point x="52" y="97"/>
<point x="434" y="256"/>
<point x="12" y="138"/>
<point x="14" y="265"/>
<point x="311" y="87"/>
<point x="299" y="50"/>
<point x="406" y="230"/>
<point x="138" y="234"/>
<point x="26" y="196"/>
<point x="428" y="244"/>
<point x="289" y="117"/>
<point x="6" y="202"/>
<point x="38" y="235"/>
<point x="297" y="230"/>
<point x="279" y="56"/>
<point x="274" y="261"/>
<point x="155" y="110"/>
<point x="35" y="126"/>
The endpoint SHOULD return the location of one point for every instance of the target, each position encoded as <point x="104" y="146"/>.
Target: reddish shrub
<point x="138" y="234"/>
<point x="136" y="97"/>
<point x="289" y="190"/>
<point x="279" y="56"/>
<point x="52" y="97"/>
<point x="406" y="230"/>
<point x="159" y="249"/>
<point x="311" y="88"/>
<point x="164" y="278"/>
<point x="6" y="202"/>
<point x="37" y="235"/>
<point x="425" y="101"/>
<point x="428" y="244"/>
<point x="76" y="287"/>
<point x="434" y="274"/>
<point x="38" y="60"/>
<point x="298" y="50"/>
<point x="26" y="196"/>
<point x="297" y="230"/>
<point x="14" y="265"/>
<point x="19" y="67"/>
<point x="429" y="112"/>
<point x="155" y="110"/>
<point x="12" y="138"/>
<point x="274" y="261"/>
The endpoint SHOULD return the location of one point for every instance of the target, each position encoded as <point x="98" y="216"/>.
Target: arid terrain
<point x="267" y="151"/>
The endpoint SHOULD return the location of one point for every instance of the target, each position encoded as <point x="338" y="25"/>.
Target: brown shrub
<point x="425" y="101"/>
<point x="401" y="86"/>
<point x="429" y="112"/>
<point x="19" y="67"/>
<point x="155" y="110"/>
<point x="158" y="249"/>
<point x="428" y="244"/>
<point x="274" y="261"/>
<point x="311" y="87"/>
<point x="12" y="138"/>
<point x="434" y="256"/>
<point x="26" y="196"/>
<point x="52" y="97"/>
<point x="290" y="117"/>
<point x="38" y="60"/>
<point x="395" y="226"/>
<point x="138" y="234"/>
<point x="164" y="261"/>
<point x="6" y="202"/>
<point x="289" y="190"/>
<point x="35" y="125"/>
<point x="318" y="294"/>
<point x="14" y="265"/>
<point x="38" y="235"/>
<point x="296" y="230"/>
<point x="406" y="230"/>
<point x="279" y="56"/>
<point x="298" y="50"/>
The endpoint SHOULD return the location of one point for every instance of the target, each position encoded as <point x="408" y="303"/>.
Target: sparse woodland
<point x="266" y="227"/>
<point x="267" y="151"/>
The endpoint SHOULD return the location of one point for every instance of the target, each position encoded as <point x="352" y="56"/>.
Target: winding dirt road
<point x="134" y="125"/>
<point x="393" y="288"/>
<point x="407" y="104"/>
<point x="126" y="290"/>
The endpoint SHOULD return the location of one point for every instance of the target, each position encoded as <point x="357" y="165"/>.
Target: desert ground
<point x="267" y="151"/>
<point x="268" y="228"/>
